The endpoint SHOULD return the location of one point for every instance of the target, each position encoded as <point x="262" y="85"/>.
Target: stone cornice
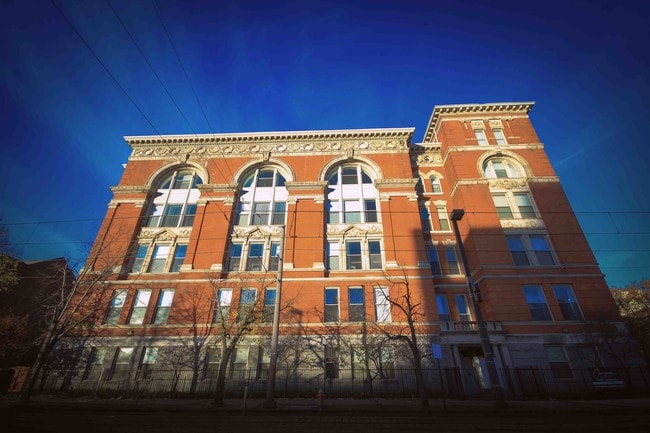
<point x="392" y="183"/>
<point x="290" y="142"/>
<point x="494" y="108"/>
<point x="130" y="189"/>
<point x="308" y="185"/>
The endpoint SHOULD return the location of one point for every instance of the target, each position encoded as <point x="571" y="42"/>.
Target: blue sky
<point x="73" y="83"/>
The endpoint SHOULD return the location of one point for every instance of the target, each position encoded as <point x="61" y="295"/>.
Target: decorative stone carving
<point x="508" y="183"/>
<point x="165" y="234"/>
<point x="477" y="124"/>
<point x="355" y="230"/>
<point x="495" y="123"/>
<point x="256" y="232"/>
<point x="429" y="158"/>
<point x="523" y="223"/>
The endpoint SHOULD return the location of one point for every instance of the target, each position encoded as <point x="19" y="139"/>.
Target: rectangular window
<point x="334" y="212"/>
<point x="434" y="260"/>
<point x="443" y="219"/>
<point x="115" y="307"/>
<point x="212" y="362"/>
<point x="567" y="302"/>
<point x="374" y="250"/>
<point x="356" y="305"/>
<point x="246" y="306"/>
<point x="524" y="205"/>
<point x="503" y="207"/>
<point x="163" y="307"/>
<point x="138" y="261"/>
<point x="265" y="179"/>
<point x="234" y="259"/>
<point x="480" y="137"/>
<point x="97" y="356"/>
<point x="179" y="257"/>
<point x="333" y="255"/>
<point x="452" y="260"/>
<point x="537" y="303"/>
<point x="190" y="213"/>
<point x="274" y="259"/>
<point x="222" y="307"/>
<point x="263" y="363"/>
<point x="541" y="250"/>
<point x="519" y="255"/>
<point x="261" y="212"/>
<point x="331" y="359"/>
<point x="140" y="307"/>
<point x="243" y="213"/>
<point x="121" y="363"/>
<point x="443" y="308"/>
<point x="353" y="254"/>
<point x="159" y="258"/>
<point x="269" y="305"/>
<point x="154" y="218"/>
<point x="172" y="215"/>
<point x="352" y="211"/>
<point x="557" y="359"/>
<point x="387" y="363"/>
<point x="279" y="211"/>
<point x="331" y="304"/>
<point x="370" y="207"/>
<point x="255" y="254"/>
<point x="499" y="136"/>
<point x="463" y="309"/>
<point x="382" y="304"/>
<point x="149" y="356"/>
<point x="349" y="176"/>
<point x="425" y="218"/>
<point x="239" y="362"/>
<point x="123" y="355"/>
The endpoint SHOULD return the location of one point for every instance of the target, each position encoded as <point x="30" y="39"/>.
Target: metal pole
<point x="270" y="386"/>
<point x="495" y="384"/>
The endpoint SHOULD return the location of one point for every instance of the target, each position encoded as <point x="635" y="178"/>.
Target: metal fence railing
<point x="530" y="382"/>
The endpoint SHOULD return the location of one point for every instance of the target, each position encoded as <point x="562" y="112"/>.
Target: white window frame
<point x="222" y="306"/>
<point x="513" y="206"/>
<point x="354" y="196"/>
<point x="166" y="198"/>
<point x="432" y="253"/>
<point x="481" y="137"/>
<point x="448" y="250"/>
<point x="163" y="306"/>
<point x="532" y="255"/>
<point x="382" y="304"/>
<point x="570" y="307"/>
<point x="499" y="136"/>
<point x="253" y="195"/>
<point x="327" y="315"/>
<point x="139" y="308"/>
<point x="435" y="182"/>
<point x="540" y="301"/>
<point x="340" y="246"/>
<point x="511" y="168"/>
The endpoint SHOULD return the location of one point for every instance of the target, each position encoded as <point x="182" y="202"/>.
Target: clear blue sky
<point x="266" y="66"/>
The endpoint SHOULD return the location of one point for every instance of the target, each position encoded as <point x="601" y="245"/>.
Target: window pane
<point x="139" y="258"/>
<point x="159" y="258"/>
<point x="349" y="176"/>
<point x="279" y="209"/>
<point x="265" y="178"/>
<point x="500" y="137"/>
<point x="333" y="253"/>
<point x="235" y="257"/>
<point x="382" y="304"/>
<point x="517" y="250"/>
<point x="374" y="248"/>
<point x="502" y="205"/>
<point x="442" y="218"/>
<point x="331" y="305"/>
<point x="352" y="211"/>
<point x="140" y="307"/>
<point x="463" y="310"/>
<point x="434" y="260"/>
<point x="436" y="187"/>
<point x="255" y="253"/>
<point x="524" y="205"/>
<point x="371" y="211"/>
<point x="269" y="304"/>
<point x="190" y="212"/>
<point x="179" y="257"/>
<point x="567" y="302"/>
<point x="154" y="218"/>
<point x="261" y="212"/>
<point x="542" y="251"/>
<point x="172" y="215"/>
<point x="353" y="255"/>
<point x="443" y="308"/>
<point x="480" y="137"/>
<point x="357" y="307"/>
<point x="536" y="303"/>
<point x="424" y="217"/>
<point x="452" y="260"/>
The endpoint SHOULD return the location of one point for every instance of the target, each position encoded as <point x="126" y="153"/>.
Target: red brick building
<point x="205" y="228"/>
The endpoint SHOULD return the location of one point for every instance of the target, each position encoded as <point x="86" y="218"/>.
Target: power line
<point x="104" y="66"/>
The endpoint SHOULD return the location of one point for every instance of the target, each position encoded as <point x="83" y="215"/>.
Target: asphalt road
<point x="34" y="419"/>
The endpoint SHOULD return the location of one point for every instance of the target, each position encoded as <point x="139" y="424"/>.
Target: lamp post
<point x="270" y="386"/>
<point x="495" y="384"/>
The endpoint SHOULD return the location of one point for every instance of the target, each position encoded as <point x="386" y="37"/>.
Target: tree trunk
<point x="221" y="376"/>
<point x="41" y="357"/>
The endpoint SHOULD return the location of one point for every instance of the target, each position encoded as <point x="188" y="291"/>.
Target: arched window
<point x="501" y="168"/>
<point x="436" y="186"/>
<point x="352" y="197"/>
<point x="175" y="202"/>
<point x="263" y="198"/>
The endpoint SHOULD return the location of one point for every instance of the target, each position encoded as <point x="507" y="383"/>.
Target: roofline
<point x="438" y="110"/>
<point x="399" y="133"/>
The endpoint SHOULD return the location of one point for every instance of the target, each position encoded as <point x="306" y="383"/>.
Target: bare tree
<point x="230" y="325"/>
<point x="74" y="308"/>
<point x="403" y="301"/>
<point x="195" y="309"/>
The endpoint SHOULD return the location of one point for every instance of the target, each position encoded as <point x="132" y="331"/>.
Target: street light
<point x="497" y="390"/>
<point x="270" y="386"/>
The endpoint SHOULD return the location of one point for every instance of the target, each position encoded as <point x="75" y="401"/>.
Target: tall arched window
<point x="352" y="197"/>
<point x="175" y="202"/>
<point x="436" y="186"/>
<point x="502" y="168"/>
<point x="263" y="198"/>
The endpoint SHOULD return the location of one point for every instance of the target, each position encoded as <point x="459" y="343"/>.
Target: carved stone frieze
<point x="353" y="230"/>
<point x="523" y="223"/>
<point x="165" y="234"/>
<point x="256" y="232"/>
<point x="508" y="183"/>
<point x="477" y="124"/>
<point x="150" y="150"/>
<point x="495" y="123"/>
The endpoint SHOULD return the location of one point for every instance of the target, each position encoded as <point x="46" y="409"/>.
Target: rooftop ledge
<point x="333" y="134"/>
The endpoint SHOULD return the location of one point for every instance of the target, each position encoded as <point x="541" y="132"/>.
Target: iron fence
<point x="530" y="382"/>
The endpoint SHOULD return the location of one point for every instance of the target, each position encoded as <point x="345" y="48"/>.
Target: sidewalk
<point x="335" y="405"/>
